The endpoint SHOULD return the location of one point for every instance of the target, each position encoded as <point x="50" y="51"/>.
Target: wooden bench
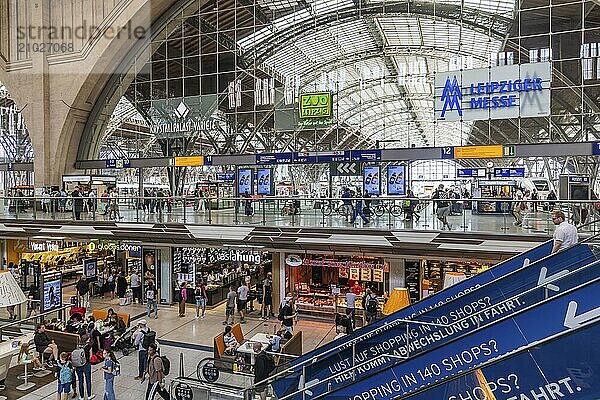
<point x="219" y="342"/>
<point x="64" y="340"/>
<point x="102" y="314"/>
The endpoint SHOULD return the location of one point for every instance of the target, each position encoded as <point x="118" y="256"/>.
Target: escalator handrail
<point x="475" y="330"/>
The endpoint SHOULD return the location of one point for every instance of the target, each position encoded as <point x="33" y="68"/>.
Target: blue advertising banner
<point x="305" y="158"/>
<point x="245" y="181"/>
<point x="372" y="180"/>
<point x="533" y="374"/>
<point x="333" y="156"/>
<point x="396" y="180"/>
<point x="365" y="155"/>
<point x="383" y="326"/>
<point x="274" y="158"/>
<point x="470" y="173"/>
<point x="509" y="172"/>
<point x="226" y="177"/>
<point x="264" y="185"/>
<point x="552" y="317"/>
<point x="90" y="269"/>
<point x="52" y="295"/>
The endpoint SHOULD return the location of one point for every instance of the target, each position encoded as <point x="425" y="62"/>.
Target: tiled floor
<point x="188" y="336"/>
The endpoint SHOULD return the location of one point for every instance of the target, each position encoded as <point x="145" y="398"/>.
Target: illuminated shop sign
<point x="509" y="91"/>
<point x="341" y="264"/>
<point x="315" y="105"/>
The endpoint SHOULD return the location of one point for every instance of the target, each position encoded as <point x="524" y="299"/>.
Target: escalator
<point x="508" y="288"/>
<point x="542" y="316"/>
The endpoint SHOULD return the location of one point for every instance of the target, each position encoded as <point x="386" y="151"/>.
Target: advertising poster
<point x="245" y="183"/>
<point x="396" y="177"/>
<point x="372" y="180"/>
<point x="90" y="269"/>
<point x="377" y="275"/>
<point x="365" y="274"/>
<point x="150" y="269"/>
<point x="355" y="274"/>
<point x="265" y="181"/>
<point x="343" y="273"/>
<point x="52" y="292"/>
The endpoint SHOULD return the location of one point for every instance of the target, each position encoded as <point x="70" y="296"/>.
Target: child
<point x="65" y="377"/>
<point x="231" y="343"/>
<point x="24" y="356"/>
<point x="110" y="363"/>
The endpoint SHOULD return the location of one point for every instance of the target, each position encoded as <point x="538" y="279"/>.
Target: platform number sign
<point x="447" y="153"/>
<point x="596" y="148"/>
<point x="183" y="392"/>
<point x="210" y="372"/>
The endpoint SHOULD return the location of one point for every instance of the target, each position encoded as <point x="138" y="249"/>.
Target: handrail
<point x="294" y="369"/>
<point x="32" y="317"/>
<point x="587" y="266"/>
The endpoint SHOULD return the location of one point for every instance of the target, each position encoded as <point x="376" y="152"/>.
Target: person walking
<point x="351" y="306"/>
<point x="267" y="296"/>
<point x="358" y="210"/>
<point x="138" y="341"/>
<point x="80" y="358"/>
<point x="230" y="307"/>
<point x="201" y="299"/>
<point x="263" y="366"/>
<point x="151" y="297"/>
<point x="121" y="289"/>
<point x="371" y="306"/>
<point x="565" y="234"/>
<point x="109" y="366"/>
<point x="442" y="205"/>
<point x="242" y="291"/>
<point x="156" y="375"/>
<point x="287" y="315"/>
<point x="83" y="292"/>
<point x="182" y="299"/>
<point x="77" y="202"/>
<point x="136" y="287"/>
<point x="347" y="204"/>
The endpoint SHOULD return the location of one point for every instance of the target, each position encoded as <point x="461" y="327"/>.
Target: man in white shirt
<point x="242" y="300"/>
<point x="351" y="305"/>
<point x="136" y="287"/>
<point x="565" y="234"/>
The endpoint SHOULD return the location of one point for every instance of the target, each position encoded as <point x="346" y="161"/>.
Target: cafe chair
<point x="43" y="372"/>
<point x="25" y="385"/>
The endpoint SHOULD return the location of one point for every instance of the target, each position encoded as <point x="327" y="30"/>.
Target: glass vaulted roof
<point x="380" y="66"/>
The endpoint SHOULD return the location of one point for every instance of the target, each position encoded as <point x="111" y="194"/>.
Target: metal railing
<point x="31" y="321"/>
<point x="386" y="212"/>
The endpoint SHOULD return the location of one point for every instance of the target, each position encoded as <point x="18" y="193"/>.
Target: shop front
<point x="322" y="281"/>
<point x="218" y="268"/>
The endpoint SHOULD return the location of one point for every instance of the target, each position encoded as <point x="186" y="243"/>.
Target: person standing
<point x="442" y="206"/>
<point x="565" y="234"/>
<point x="156" y="375"/>
<point x="351" y="306"/>
<point x="263" y="366"/>
<point x="77" y="203"/>
<point x="182" y="299"/>
<point x="110" y="282"/>
<point x="242" y="300"/>
<point x="121" y="289"/>
<point x="83" y="292"/>
<point x="110" y="363"/>
<point x="287" y="316"/>
<point x="371" y="306"/>
<point x="230" y="307"/>
<point x="534" y="197"/>
<point x="151" y="297"/>
<point x="201" y="299"/>
<point x="65" y="376"/>
<point x="136" y="287"/>
<point x="34" y="303"/>
<point x="138" y="341"/>
<point x="519" y="207"/>
<point x="267" y="296"/>
<point x="80" y="357"/>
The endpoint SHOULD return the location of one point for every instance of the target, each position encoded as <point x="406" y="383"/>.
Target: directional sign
<point x="305" y="157"/>
<point x="470" y="173"/>
<point x="383" y="327"/>
<point x="119" y="164"/>
<point x="559" y="365"/>
<point x="536" y="323"/>
<point x="365" y="155"/>
<point x="470" y="311"/>
<point x="274" y="158"/>
<point x="508" y="150"/>
<point x="345" y="169"/>
<point x="596" y="148"/>
<point x="543" y="278"/>
<point x="447" y="153"/>
<point x="509" y="172"/>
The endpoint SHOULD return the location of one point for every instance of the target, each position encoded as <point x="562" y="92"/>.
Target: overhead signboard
<point x="365" y="155"/>
<point x="189" y="161"/>
<point x="264" y="184"/>
<point x="382" y="329"/>
<point x="345" y="169"/>
<point x="274" y="158"/>
<point x="372" y="180"/>
<point x="120" y="163"/>
<point x="245" y="181"/>
<point x="508" y="91"/>
<point x="493" y="151"/>
<point x="229" y="176"/>
<point x="396" y="180"/>
<point x="509" y="172"/>
<point x="315" y="105"/>
<point x="470" y="173"/>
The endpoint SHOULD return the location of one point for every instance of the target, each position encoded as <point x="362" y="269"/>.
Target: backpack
<point x="280" y="315"/>
<point x="149" y="338"/>
<point x="166" y="365"/>
<point x="65" y="375"/>
<point x="372" y="304"/>
<point x="78" y="357"/>
<point x="177" y="295"/>
<point x="116" y="369"/>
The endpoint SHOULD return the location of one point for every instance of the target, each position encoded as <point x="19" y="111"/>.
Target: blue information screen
<point x="372" y="180"/>
<point x="52" y="293"/>
<point x="396" y="179"/>
<point x="264" y="185"/>
<point x="245" y="183"/>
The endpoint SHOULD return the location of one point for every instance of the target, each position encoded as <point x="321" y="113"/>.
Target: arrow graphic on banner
<point x="544" y="279"/>
<point x="346" y="168"/>
<point x="573" y="321"/>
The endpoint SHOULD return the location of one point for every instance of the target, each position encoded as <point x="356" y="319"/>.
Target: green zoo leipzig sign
<point x="315" y="105"/>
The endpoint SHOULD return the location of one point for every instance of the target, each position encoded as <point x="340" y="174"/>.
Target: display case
<point x="340" y="301"/>
<point x="317" y="304"/>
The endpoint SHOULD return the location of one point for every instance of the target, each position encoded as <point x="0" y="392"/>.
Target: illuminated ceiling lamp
<point x="10" y="292"/>
<point x="398" y="300"/>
